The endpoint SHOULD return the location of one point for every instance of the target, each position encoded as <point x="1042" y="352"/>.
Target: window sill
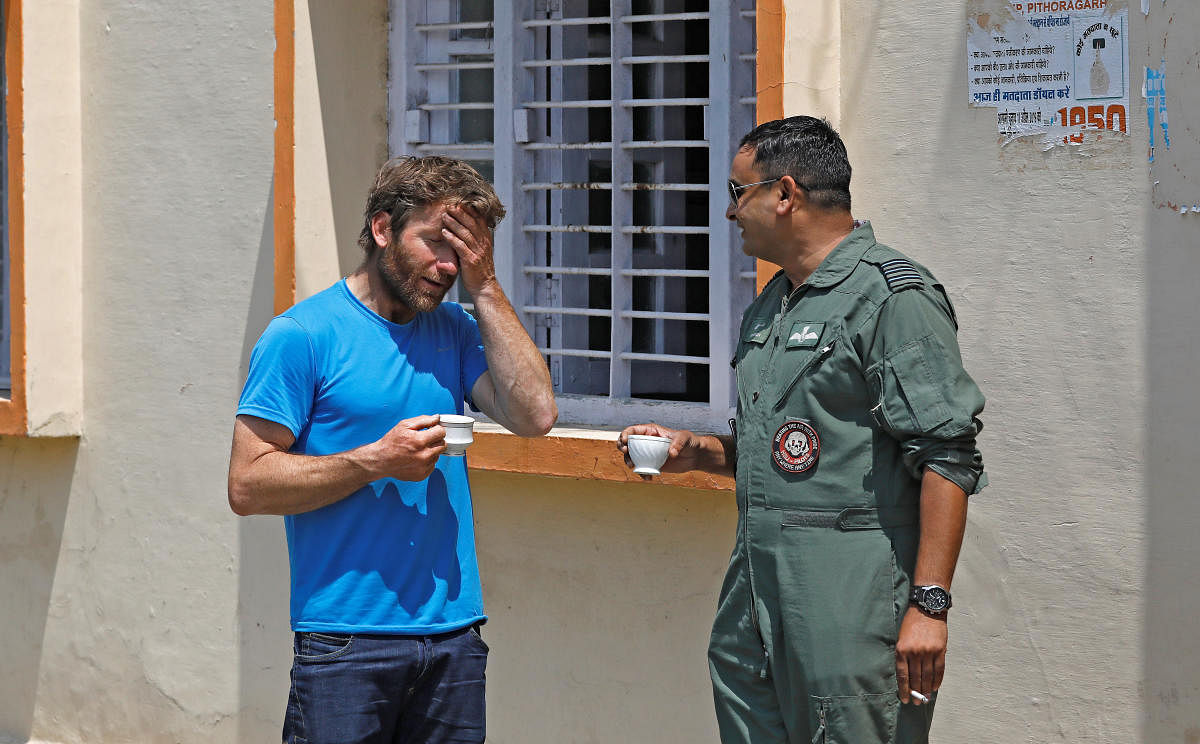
<point x="571" y="453"/>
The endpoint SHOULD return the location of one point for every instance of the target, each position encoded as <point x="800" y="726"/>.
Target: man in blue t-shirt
<point x="338" y="430"/>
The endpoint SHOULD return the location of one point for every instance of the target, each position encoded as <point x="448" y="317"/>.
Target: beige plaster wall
<point x="53" y="231"/>
<point x="1168" y="597"/>
<point x="1059" y="264"/>
<point x="812" y="52"/>
<point x="341" y="132"/>
<point x="600" y="599"/>
<point x="118" y="553"/>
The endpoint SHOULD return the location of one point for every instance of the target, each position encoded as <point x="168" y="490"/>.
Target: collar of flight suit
<point x="844" y="257"/>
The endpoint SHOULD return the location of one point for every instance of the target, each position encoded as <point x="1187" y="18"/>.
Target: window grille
<point x="604" y="127"/>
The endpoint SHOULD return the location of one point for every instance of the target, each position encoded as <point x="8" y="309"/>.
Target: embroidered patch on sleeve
<point x="900" y="273"/>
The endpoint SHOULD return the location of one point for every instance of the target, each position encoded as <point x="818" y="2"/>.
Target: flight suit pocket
<point x="800" y="361"/>
<point x="758" y="334"/>
<point x="852" y="719"/>
<point x="753" y="340"/>
<point x="908" y="398"/>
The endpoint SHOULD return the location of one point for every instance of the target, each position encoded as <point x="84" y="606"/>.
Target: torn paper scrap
<point x="1154" y="90"/>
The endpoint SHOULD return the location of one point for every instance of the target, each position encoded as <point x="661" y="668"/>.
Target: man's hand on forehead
<point x="465" y="212"/>
<point x="464" y="222"/>
<point x="471" y="239"/>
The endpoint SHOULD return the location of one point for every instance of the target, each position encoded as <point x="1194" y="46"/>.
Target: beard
<point x="402" y="280"/>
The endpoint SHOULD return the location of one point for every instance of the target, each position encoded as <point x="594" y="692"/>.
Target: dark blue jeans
<point x="379" y="689"/>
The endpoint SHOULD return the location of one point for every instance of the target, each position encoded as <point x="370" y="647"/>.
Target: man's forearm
<point x="265" y="477"/>
<point x="711" y="453"/>
<point x="285" y="483"/>
<point x="943" y="523"/>
<point x="524" y="393"/>
<point x="721" y="454"/>
<point x="921" y="644"/>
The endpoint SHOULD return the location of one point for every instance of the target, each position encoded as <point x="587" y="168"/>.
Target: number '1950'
<point x="1093" y="117"/>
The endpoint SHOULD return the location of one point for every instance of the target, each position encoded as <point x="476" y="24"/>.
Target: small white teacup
<point x="459" y="433"/>
<point x="648" y="453"/>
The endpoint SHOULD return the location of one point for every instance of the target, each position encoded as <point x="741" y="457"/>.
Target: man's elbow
<point x="549" y="419"/>
<point x="241" y="497"/>
<point x="541" y="421"/>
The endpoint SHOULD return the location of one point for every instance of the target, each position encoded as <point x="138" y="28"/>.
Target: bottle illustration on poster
<point x="1099" y="71"/>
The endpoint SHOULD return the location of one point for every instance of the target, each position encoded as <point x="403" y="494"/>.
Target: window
<point x="607" y="129"/>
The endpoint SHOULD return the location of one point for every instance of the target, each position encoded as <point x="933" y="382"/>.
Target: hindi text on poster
<point x="1057" y="67"/>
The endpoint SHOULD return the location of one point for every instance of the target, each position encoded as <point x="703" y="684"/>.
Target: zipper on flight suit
<point x="778" y="326"/>
<point x="816" y="358"/>
<point x="763" y="671"/>
<point x="821" y="734"/>
<point x="787" y="298"/>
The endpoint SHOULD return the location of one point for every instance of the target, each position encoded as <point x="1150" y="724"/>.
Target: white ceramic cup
<point x="648" y="453"/>
<point x="459" y="433"/>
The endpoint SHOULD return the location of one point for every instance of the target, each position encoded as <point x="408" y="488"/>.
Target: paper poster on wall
<point x="1054" y="68"/>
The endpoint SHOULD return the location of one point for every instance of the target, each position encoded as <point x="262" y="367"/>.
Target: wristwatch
<point x="931" y="598"/>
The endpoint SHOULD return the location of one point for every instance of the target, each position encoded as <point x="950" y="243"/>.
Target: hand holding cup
<point x="680" y="452"/>
<point x="459" y="433"/>
<point x="648" y="452"/>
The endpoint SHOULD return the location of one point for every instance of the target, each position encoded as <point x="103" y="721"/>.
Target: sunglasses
<point x="735" y="190"/>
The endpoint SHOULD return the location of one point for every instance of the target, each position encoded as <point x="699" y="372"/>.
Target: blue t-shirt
<point x="395" y="556"/>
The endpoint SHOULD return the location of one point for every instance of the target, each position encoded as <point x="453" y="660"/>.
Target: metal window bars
<point x="602" y="126"/>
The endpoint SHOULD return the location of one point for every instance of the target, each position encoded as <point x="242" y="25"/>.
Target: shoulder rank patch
<point x="900" y="274"/>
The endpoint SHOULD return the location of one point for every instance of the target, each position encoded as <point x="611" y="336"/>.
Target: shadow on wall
<point x="352" y="86"/>
<point x="265" y="643"/>
<point x="1171" y="646"/>
<point x="35" y="489"/>
<point x="349" y="49"/>
<point x="262" y="615"/>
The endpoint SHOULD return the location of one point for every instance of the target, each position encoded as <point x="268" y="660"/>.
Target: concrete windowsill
<point x="569" y="452"/>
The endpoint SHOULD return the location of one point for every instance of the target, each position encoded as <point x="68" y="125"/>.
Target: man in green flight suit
<point x="854" y="452"/>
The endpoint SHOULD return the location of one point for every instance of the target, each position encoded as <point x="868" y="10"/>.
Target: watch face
<point x="936" y="599"/>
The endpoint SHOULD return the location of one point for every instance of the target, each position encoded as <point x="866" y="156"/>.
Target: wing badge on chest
<point x="805" y="335"/>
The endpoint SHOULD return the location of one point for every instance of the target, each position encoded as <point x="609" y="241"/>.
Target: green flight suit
<point x="848" y="388"/>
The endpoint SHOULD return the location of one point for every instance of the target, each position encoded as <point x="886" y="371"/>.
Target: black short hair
<point x="807" y="149"/>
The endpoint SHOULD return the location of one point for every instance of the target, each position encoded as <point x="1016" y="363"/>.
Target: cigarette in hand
<point x="918" y="696"/>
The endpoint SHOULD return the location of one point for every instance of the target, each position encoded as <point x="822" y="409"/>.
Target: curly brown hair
<point x="407" y="184"/>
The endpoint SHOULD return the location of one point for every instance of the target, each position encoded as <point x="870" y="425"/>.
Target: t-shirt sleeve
<point x="282" y="379"/>
<point x="473" y="362"/>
